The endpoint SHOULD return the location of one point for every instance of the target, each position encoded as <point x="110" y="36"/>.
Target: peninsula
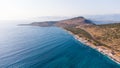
<point x="105" y="37"/>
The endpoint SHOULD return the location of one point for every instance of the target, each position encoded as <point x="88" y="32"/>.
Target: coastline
<point x="101" y="49"/>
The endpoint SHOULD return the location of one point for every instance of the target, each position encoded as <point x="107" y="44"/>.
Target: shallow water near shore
<point x="47" y="47"/>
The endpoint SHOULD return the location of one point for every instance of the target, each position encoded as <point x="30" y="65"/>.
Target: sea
<point x="46" y="47"/>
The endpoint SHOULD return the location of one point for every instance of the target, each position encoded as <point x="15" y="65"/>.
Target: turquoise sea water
<point x="46" y="47"/>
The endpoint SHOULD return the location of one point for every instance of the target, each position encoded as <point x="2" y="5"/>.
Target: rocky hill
<point x="64" y="23"/>
<point x="77" y="21"/>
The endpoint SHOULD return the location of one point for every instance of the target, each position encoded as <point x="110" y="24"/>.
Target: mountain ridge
<point x="65" y="23"/>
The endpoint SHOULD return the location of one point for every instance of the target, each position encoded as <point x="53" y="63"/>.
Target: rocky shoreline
<point x="104" y="50"/>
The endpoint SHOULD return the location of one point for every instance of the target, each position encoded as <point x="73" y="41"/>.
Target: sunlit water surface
<point x="46" y="47"/>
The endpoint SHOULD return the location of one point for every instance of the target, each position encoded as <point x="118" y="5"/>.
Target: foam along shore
<point x="104" y="50"/>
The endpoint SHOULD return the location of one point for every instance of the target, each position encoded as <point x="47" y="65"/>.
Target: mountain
<point x="104" y="19"/>
<point x="64" y="23"/>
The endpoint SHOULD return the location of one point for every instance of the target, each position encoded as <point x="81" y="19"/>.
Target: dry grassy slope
<point x="106" y="38"/>
<point x="108" y="34"/>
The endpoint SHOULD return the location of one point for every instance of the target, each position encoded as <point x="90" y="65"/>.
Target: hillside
<point x="108" y="34"/>
<point x="64" y="23"/>
<point x="77" y="21"/>
<point x="105" y="38"/>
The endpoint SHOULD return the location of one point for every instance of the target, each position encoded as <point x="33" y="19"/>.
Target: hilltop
<point x="64" y="23"/>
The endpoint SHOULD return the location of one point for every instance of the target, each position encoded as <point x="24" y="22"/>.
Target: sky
<point x="19" y="9"/>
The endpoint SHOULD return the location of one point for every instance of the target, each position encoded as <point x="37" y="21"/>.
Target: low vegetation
<point x="84" y="34"/>
<point x="108" y="34"/>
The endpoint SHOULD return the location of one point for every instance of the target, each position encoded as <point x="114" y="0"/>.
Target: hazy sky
<point x="18" y="9"/>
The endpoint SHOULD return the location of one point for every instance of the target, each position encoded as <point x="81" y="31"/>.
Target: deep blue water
<point x="46" y="47"/>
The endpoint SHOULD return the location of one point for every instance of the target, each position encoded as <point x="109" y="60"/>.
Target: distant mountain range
<point x="104" y="19"/>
